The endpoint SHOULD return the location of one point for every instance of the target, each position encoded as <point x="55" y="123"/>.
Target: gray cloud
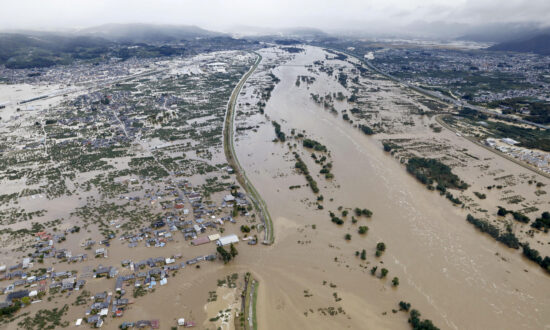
<point x="220" y="14"/>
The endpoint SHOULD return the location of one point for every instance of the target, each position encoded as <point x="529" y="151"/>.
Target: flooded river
<point x="455" y="276"/>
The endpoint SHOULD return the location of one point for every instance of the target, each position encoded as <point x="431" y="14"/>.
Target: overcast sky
<point x="223" y="14"/>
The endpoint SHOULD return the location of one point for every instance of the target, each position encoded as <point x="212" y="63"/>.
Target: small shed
<point x="214" y="237"/>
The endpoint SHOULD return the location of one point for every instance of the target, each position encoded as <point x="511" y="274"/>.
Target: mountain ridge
<point x="539" y="44"/>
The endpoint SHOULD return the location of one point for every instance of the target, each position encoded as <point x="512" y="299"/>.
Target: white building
<point x="509" y="141"/>
<point x="229" y="239"/>
<point x="27" y="263"/>
<point x="229" y="199"/>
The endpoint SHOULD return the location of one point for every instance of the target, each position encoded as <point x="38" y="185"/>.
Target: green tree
<point x="384" y="273"/>
<point x="418" y="324"/>
<point x="9" y="310"/>
<point x="502" y="211"/>
<point x="233" y="250"/>
<point x="380" y="247"/>
<point x="404" y="306"/>
<point x="226" y="256"/>
<point x="395" y="281"/>
<point x="366" y="212"/>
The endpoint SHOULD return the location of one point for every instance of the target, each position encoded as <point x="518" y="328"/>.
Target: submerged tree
<point x="395" y="281"/>
<point x="226" y="256"/>
<point x="380" y="247"/>
<point x="233" y="250"/>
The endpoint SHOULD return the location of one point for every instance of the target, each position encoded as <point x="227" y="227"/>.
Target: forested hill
<point x="40" y="49"/>
<point x="538" y="45"/>
<point x="148" y="33"/>
<point x="21" y="51"/>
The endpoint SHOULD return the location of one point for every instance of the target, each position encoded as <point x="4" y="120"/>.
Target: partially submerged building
<point x="229" y="239"/>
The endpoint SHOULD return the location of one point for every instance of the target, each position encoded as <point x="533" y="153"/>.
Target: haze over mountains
<point x="300" y="32"/>
<point x="39" y="49"/>
<point x="28" y="49"/>
<point x="539" y="44"/>
<point x="437" y="30"/>
<point x="147" y="32"/>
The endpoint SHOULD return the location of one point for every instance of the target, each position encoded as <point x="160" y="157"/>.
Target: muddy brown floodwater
<point x="448" y="271"/>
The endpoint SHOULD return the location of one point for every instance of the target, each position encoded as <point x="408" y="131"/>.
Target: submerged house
<point x="229" y="239"/>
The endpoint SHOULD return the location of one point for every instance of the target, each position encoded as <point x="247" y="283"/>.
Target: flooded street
<point x="451" y="273"/>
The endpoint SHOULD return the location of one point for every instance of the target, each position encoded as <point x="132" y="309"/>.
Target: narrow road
<point x="232" y="160"/>
<point x="251" y="306"/>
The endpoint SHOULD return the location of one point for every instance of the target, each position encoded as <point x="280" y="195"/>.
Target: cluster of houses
<point x="153" y="324"/>
<point x="160" y="232"/>
<point x="146" y="273"/>
<point x="537" y="158"/>
<point x="189" y="228"/>
<point x="45" y="248"/>
<point x="99" y="309"/>
<point x="103" y="302"/>
<point x="421" y="70"/>
<point x="168" y="264"/>
<point x="66" y="281"/>
<point x="34" y="286"/>
<point x="78" y="72"/>
<point x="49" y="251"/>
